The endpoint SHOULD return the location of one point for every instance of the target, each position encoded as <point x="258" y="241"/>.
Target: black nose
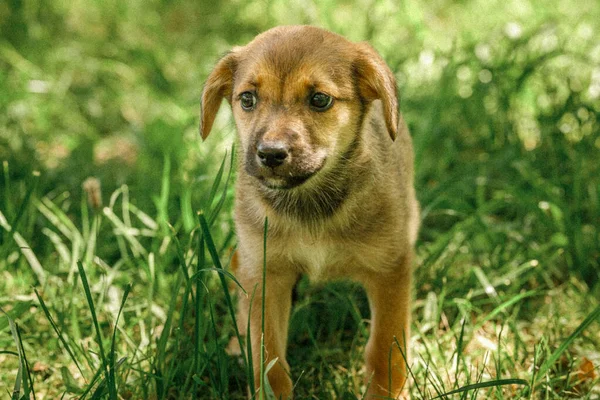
<point x="272" y="154"/>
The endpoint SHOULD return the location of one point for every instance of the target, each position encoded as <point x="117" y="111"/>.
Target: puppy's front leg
<point x="278" y="295"/>
<point x="389" y="299"/>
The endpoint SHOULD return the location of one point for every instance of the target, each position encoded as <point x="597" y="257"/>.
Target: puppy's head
<point x="299" y="95"/>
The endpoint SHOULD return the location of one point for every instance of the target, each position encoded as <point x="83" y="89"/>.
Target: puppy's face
<point x="299" y="95"/>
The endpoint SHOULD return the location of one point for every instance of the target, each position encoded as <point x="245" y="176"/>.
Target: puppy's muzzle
<point x="272" y="154"/>
<point x="282" y="160"/>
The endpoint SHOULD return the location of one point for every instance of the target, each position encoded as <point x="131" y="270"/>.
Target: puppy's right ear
<point x="219" y="85"/>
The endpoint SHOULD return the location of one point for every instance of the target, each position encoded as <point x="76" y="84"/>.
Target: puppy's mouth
<point x="288" y="176"/>
<point x="284" y="183"/>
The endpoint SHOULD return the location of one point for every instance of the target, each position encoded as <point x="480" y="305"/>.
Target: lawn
<point x="116" y="229"/>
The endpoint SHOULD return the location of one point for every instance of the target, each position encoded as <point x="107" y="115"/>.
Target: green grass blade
<point x="221" y="380"/>
<point x="212" y="250"/>
<point x="90" y="243"/>
<point x="210" y="245"/>
<point x="483" y="385"/>
<point x="100" y="391"/>
<point x="162" y="204"/>
<point x="224" y="272"/>
<point x="170" y="314"/>
<point x="262" y="315"/>
<point x="173" y="367"/>
<point x="69" y="382"/>
<point x="459" y="349"/>
<point x="180" y="256"/>
<point x="161" y="351"/>
<point x="58" y="218"/>
<point x="593" y="316"/>
<point x="103" y="359"/>
<point x="528" y="392"/>
<point x="57" y="331"/>
<point x="92" y="383"/>
<point x="409" y="369"/>
<point x="16" y="395"/>
<point x="113" y="366"/>
<point x="25" y="204"/>
<point x="136" y="247"/>
<point x="217" y="208"/>
<point x="7" y="187"/>
<point x="268" y="390"/>
<point x="185" y="205"/>
<point x="502" y="307"/>
<point x="216" y="182"/>
<point x="27" y="381"/>
<point x="18" y="308"/>
<point x="250" y="368"/>
<point x="7" y="192"/>
<point x="85" y="217"/>
<point x="198" y="305"/>
<point x="143" y="217"/>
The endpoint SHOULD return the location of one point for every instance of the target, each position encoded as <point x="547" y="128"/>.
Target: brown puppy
<point x="326" y="156"/>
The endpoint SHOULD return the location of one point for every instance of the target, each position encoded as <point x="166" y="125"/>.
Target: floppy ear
<point x="376" y="81"/>
<point x="218" y="86"/>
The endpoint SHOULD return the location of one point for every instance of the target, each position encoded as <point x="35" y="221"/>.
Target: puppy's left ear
<point x="219" y="85"/>
<point x="376" y="81"/>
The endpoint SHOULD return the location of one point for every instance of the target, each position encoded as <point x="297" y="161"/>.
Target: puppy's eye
<point x="321" y="102"/>
<point x="248" y="101"/>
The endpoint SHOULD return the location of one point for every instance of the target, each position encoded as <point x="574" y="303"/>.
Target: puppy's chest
<point x="319" y="259"/>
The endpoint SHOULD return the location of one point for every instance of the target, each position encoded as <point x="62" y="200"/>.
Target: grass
<point x="129" y="297"/>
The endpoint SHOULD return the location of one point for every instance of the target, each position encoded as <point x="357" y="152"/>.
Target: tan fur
<point x="342" y="205"/>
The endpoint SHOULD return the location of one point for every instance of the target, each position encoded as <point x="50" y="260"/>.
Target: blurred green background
<point x="502" y="99"/>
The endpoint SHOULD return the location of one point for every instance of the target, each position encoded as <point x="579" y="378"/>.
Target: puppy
<point x="325" y="154"/>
